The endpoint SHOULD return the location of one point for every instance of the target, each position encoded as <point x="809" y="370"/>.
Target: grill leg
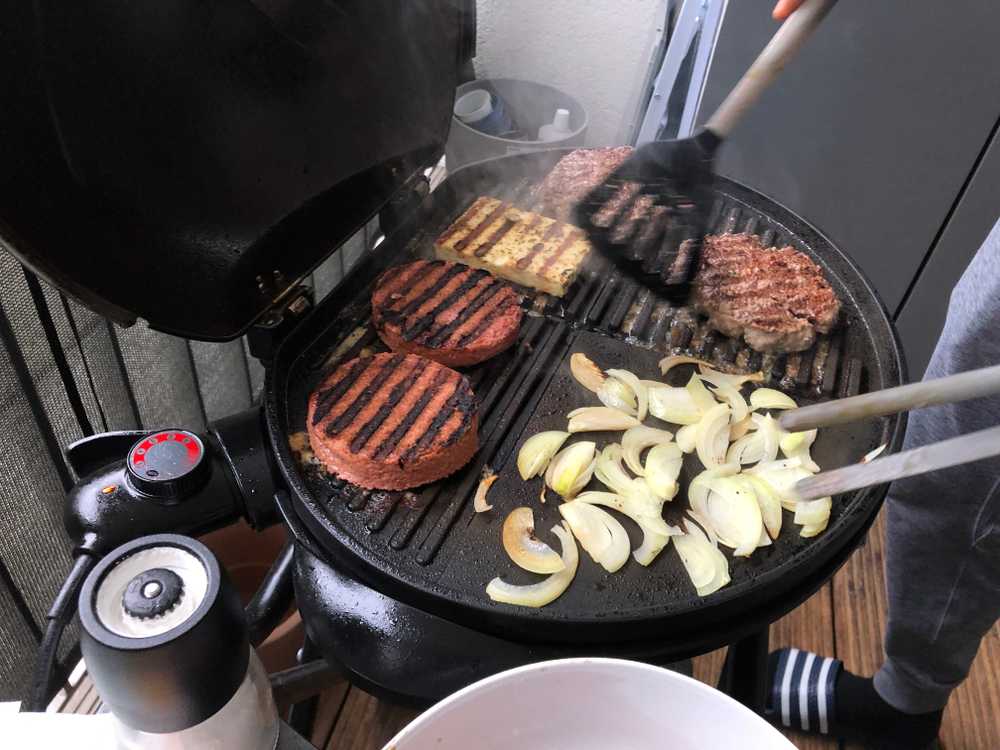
<point x="744" y="674"/>
<point x="302" y="715"/>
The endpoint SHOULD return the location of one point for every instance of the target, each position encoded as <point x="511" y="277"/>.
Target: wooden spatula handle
<point x="782" y="47"/>
<point x="960" y="387"/>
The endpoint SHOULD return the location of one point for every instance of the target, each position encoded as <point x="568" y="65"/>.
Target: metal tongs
<point x="927" y="458"/>
<point x="649" y="216"/>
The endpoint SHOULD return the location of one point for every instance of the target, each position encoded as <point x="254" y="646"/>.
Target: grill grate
<point x="618" y="308"/>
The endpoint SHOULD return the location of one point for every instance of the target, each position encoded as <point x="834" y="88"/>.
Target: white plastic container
<point x="473" y="106"/>
<point x="558" y="129"/>
<point x="589" y="704"/>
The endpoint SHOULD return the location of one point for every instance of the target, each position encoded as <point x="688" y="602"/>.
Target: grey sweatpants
<point x="943" y="529"/>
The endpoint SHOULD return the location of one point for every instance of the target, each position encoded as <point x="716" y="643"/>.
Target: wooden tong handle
<point x="961" y="387"/>
<point x="785" y="43"/>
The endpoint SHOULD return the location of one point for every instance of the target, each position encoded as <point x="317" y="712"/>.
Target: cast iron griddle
<point x="430" y="549"/>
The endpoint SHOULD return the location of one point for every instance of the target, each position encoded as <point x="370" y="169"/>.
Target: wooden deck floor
<point x="845" y="619"/>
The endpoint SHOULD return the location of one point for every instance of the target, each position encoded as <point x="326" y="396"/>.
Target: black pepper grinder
<point x="165" y="640"/>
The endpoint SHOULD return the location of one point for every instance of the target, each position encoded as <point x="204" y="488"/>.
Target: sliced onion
<point x="748" y="449"/>
<point x="611" y="474"/>
<point x="811" y="531"/>
<point x="793" y="442"/>
<point x="712" y="439"/>
<point x="674" y="405"/>
<point x="698" y="489"/>
<point x="872" y="455"/>
<point x="652" y="545"/>
<point x="644" y="515"/>
<point x="741" y="428"/>
<point x="735" y="516"/>
<point x="640" y="391"/>
<point x="599" y="533"/>
<point x="587" y="374"/>
<point x="668" y="363"/>
<point x="663" y="466"/>
<point x="706" y="566"/>
<point x="636" y="440"/>
<point x="769" y="398"/>
<point x="813" y="512"/>
<point x="615" y="394"/>
<point x="769" y="502"/>
<point x="703" y="398"/>
<point x="541" y="593"/>
<point x="765" y="540"/>
<point x="776" y="465"/>
<point x="797" y="444"/>
<point x="726" y="391"/>
<point x="599" y="419"/>
<point x="568" y="466"/>
<point x="733" y="379"/>
<point x="582" y="481"/>
<point x="782" y="481"/>
<point x="524" y="548"/>
<point x="479" y="503"/>
<point x="537" y="451"/>
<point x="696" y="556"/>
<point x="706" y="527"/>
<point x="768" y="427"/>
<point x="687" y="438"/>
<point x="609" y="470"/>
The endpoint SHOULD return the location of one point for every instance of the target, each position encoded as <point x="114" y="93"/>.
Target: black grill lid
<point x="188" y="162"/>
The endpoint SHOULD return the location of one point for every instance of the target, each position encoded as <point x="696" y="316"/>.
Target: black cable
<point x="59" y="616"/>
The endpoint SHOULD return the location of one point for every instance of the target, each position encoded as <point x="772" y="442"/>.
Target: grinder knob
<point x="168" y="465"/>
<point x="152" y="593"/>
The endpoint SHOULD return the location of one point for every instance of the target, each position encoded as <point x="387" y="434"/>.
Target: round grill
<point x="428" y="548"/>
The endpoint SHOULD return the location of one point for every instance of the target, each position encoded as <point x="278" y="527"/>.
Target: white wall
<point x="595" y="50"/>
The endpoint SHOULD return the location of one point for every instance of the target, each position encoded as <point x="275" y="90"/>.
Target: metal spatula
<point x="649" y="216"/>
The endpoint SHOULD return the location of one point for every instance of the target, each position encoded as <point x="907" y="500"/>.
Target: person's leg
<point x="942" y="561"/>
<point x="943" y="528"/>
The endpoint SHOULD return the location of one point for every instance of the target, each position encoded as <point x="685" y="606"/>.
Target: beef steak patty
<point x="575" y="175"/>
<point x="393" y="421"/>
<point x="445" y="311"/>
<point x="778" y="299"/>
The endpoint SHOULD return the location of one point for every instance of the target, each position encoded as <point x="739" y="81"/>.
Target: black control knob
<point x="152" y="593"/>
<point x="169" y="464"/>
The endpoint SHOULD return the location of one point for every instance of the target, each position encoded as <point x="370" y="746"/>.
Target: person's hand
<point x="785" y="8"/>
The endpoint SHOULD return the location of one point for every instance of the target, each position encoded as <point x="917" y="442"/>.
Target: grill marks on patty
<point x="438" y="304"/>
<point x="777" y="298"/>
<point x="397" y="408"/>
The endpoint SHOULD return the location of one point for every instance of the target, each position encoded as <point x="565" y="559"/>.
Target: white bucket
<point x="589" y="704"/>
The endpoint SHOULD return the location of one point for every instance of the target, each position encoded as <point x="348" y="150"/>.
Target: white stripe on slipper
<point x="786" y="685"/>
<point x="804" y="692"/>
<point x="824" y="673"/>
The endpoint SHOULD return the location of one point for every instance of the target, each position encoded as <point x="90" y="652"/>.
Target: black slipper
<point x="801" y="691"/>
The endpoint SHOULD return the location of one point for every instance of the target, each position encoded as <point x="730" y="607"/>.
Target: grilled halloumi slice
<point x="521" y="246"/>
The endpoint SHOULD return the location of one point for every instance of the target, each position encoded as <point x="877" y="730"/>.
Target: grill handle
<point x="927" y="458"/>
<point x="783" y="46"/>
<point x="947" y="390"/>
